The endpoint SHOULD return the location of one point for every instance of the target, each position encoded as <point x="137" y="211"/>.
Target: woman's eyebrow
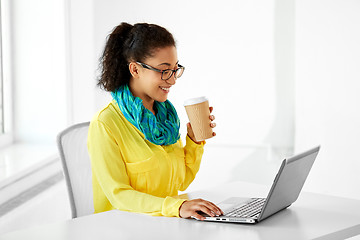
<point x="168" y="64"/>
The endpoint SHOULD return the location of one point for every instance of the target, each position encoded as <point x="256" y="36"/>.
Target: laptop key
<point x="248" y="210"/>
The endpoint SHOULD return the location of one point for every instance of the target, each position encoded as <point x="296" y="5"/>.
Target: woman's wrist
<point x="180" y="208"/>
<point x="194" y="140"/>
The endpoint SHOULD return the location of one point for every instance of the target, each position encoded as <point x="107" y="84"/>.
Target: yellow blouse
<point x="130" y="173"/>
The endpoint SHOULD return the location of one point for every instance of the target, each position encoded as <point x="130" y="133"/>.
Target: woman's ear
<point x="134" y="69"/>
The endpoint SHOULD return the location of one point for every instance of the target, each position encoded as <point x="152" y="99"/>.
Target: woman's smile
<point x="165" y="89"/>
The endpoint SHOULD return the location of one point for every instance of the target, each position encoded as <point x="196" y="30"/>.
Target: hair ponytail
<point x="129" y="43"/>
<point x="113" y="62"/>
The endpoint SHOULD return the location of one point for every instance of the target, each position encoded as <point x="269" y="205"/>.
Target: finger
<point x="189" y="128"/>
<point x="218" y="210"/>
<point x="197" y="216"/>
<point x="211" y="109"/>
<point x="207" y="210"/>
<point x="209" y="207"/>
<point x="213" y="208"/>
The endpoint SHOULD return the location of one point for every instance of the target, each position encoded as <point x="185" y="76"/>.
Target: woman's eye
<point x="167" y="73"/>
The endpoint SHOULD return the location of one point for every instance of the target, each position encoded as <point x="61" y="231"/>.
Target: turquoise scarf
<point x="162" y="129"/>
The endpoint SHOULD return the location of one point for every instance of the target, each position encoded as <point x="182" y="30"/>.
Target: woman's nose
<point x="171" y="80"/>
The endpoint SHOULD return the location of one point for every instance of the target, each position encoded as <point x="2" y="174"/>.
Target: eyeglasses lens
<point x="179" y="72"/>
<point x="168" y="73"/>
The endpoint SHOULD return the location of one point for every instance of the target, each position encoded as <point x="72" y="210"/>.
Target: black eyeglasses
<point x="167" y="73"/>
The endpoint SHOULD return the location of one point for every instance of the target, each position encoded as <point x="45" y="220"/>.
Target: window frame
<point x="7" y="135"/>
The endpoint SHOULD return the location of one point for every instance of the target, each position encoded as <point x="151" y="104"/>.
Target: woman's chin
<point x="162" y="98"/>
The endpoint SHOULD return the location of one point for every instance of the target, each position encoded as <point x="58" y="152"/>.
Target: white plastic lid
<point x="193" y="101"/>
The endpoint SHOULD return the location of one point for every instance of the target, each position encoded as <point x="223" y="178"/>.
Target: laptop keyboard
<point x="250" y="209"/>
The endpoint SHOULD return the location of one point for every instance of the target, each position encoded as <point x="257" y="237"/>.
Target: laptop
<point x="284" y="191"/>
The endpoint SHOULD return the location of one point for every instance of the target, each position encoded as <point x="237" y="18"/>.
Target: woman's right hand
<point x="190" y="208"/>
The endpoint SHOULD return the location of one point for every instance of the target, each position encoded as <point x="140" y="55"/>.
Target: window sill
<point x="22" y="166"/>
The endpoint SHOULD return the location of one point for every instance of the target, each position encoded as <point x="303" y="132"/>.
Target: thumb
<point x="189" y="128"/>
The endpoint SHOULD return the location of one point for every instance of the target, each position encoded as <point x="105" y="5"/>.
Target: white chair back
<point x="72" y="145"/>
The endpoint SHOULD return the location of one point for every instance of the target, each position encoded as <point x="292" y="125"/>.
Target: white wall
<point x="241" y="54"/>
<point x="53" y="67"/>
<point x="238" y="53"/>
<point x="327" y="92"/>
<point x="228" y="49"/>
<point x="81" y="60"/>
<point x="38" y="69"/>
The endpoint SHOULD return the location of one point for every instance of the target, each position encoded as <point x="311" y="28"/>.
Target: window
<point x="6" y="136"/>
<point x="1" y="80"/>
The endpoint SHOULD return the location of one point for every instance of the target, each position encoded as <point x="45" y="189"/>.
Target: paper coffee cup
<point x="198" y="113"/>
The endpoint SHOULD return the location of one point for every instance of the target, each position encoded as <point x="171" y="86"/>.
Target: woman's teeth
<point x="166" y="89"/>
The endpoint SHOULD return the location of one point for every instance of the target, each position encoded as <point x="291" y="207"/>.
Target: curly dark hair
<point x="129" y="43"/>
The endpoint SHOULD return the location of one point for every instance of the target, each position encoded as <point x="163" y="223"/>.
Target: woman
<point x="137" y="157"/>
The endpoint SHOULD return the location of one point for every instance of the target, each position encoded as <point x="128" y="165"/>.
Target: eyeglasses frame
<point x="162" y="71"/>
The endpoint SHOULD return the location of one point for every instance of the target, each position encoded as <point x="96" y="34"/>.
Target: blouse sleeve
<point x="193" y="154"/>
<point x="110" y="171"/>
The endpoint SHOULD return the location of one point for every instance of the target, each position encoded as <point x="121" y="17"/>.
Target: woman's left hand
<point x="212" y="125"/>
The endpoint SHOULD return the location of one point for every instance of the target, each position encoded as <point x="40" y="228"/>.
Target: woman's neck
<point x="149" y="105"/>
<point x="147" y="101"/>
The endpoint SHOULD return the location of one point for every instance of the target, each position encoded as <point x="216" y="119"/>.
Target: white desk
<point x="312" y="216"/>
